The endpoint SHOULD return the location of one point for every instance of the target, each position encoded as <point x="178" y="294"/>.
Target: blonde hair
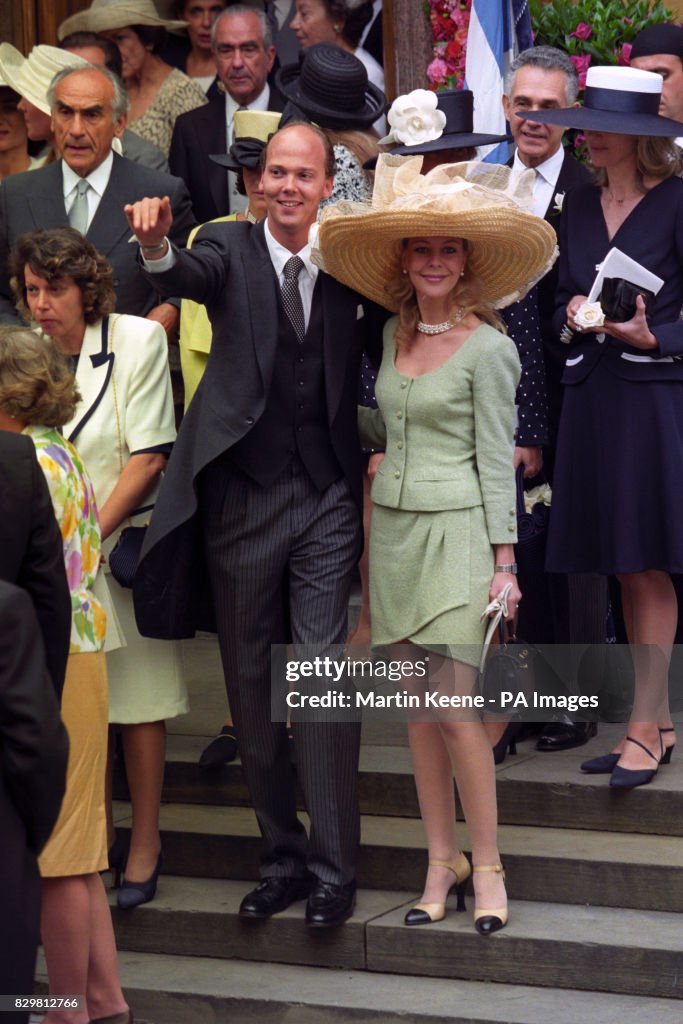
<point x="36" y="384"/>
<point x="656" y="157"/>
<point x="465" y="296"/>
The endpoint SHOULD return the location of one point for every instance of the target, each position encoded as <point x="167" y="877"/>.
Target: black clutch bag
<point x="532" y="528"/>
<point x="125" y="555"/>
<point x="618" y="299"/>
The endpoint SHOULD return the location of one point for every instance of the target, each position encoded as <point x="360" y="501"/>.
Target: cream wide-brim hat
<point x="31" y="76"/>
<point x="509" y="249"/>
<point x="104" y="15"/>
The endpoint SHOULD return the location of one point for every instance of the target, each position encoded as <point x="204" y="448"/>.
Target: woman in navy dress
<point x="619" y="472"/>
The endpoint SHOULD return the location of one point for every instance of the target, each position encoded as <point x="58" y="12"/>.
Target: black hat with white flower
<point x="429" y="122"/>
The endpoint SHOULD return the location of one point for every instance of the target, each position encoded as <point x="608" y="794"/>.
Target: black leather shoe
<point x="273" y="895"/>
<point x="329" y="904"/>
<point x="564" y="734"/>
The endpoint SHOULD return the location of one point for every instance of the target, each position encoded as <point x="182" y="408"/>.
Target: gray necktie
<point x="291" y="296"/>
<point x="78" y="214"/>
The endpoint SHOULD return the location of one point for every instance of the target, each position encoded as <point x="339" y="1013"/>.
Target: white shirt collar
<point x="279" y="255"/>
<point x="549" y="170"/>
<point x="97" y="179"/>
<point x="260" y="103"/>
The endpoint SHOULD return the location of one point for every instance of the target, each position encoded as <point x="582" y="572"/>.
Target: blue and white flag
<point x="498" y="29"/>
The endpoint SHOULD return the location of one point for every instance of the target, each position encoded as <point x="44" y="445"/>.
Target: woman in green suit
<point x="441" y="251"/>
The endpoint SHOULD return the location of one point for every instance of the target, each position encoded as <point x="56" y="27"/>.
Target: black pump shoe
<point x="629" y="778"/>
<point x="133" y="894"/>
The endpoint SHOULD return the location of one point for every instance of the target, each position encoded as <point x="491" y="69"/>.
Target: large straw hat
<point x="509" y="247"/>
<point x="624" y="101"/>
<point x="251" y="129"/>
<point x="104" y="15"/>
<point x="331" y="87"/>
<point x="31" y="76"/>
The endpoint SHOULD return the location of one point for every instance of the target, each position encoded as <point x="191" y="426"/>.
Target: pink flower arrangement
<point x="449" y="20"/>
<point x="582" y="63"/>
<point x="582" y="31"/>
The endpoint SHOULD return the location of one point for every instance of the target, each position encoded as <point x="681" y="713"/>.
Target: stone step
<point x="533" y="788"/>
<point x="199" y="990"/>
<point x="626" y="952"/>
<point x="545" y="864"/>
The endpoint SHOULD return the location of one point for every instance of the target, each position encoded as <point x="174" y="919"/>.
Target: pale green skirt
<point x="430" y="574"/>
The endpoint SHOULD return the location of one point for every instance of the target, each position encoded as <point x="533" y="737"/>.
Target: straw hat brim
<point x="23" y="75"/>
<point x="615" y="121"/>
<point x="104" y="19"/>
<point x="509" y="249"/>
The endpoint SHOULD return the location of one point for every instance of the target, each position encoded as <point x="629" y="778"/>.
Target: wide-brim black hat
<point x="617" y="100"/>
<point x="331" y="86"/>
<point x="457" y="106"/>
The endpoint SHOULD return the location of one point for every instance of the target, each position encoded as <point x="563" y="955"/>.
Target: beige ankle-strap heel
<point x="488" y="921"/>
<point x="428" y="913"/>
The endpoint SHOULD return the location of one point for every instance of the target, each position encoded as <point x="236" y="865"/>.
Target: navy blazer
<point x="197" y="134"/>
<point x="35" y="199"/>
<point x="229" y="270"/>
<point x="653" y="235"/>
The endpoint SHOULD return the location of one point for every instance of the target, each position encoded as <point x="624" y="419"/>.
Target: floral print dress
<point x="73" y="500"/>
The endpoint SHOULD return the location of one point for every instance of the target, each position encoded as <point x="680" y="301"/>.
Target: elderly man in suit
<point x="243" y="48"/>
<point x="88" y="187"/>
<point x="263" y="492"/>
<point x="33" y="756"/>
<point x="557" y="609"/>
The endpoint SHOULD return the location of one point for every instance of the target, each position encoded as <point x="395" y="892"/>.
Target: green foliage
<point x="611" y="22"/>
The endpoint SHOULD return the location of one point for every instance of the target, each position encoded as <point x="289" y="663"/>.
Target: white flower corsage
<point x="588" y="315"/>
<point x="559" y="202"/>
<point x="414" y="119"/>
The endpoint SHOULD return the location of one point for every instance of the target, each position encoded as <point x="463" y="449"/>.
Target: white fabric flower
<point x="414" y="119"/>
<point x="589" y="314"/>
<point x="559" y="201"/>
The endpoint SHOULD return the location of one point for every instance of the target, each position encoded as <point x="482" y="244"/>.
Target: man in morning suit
<point x="556" y="609"/>
<point x="33" y="755"/>
<point x="263" y="491"/>
<point x="88" y="188"/>
<point x="244" y="52"/>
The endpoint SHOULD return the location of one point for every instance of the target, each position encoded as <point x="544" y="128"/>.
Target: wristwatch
<point x="512" y="567"/>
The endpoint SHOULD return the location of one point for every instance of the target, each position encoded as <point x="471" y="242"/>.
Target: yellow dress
<point x="195" y="332"/>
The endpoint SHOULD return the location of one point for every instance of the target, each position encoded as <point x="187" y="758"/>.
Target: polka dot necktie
<point x="78" y="214"/>
<point x="291" y="296"/>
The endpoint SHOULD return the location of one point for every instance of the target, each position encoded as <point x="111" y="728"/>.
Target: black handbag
<point x="618" y="299"/>
<point x="125" y="555"/>
<point x="532" y="530"/>
<point x="506" y="667"/>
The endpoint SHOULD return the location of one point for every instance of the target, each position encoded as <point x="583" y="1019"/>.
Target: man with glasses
<point x="242" y="46"/>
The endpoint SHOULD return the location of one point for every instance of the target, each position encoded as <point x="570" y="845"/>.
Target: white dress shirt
<point x="97" y="179"/>
<point x="308" y="276"/>
<point x="545" y="181"/>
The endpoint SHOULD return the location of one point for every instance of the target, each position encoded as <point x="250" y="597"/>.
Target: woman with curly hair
<point x="123" y="428"/>
<point x="38" y="396"/>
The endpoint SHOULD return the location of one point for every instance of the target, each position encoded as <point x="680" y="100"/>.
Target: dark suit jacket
<point x="230" y="271"/>
<point x="31" y="550"/>
<point x="33" y="756"/>
<point x="197" y="134"/>
<point x="572" y="173"/>
<point x="35" y="200"/>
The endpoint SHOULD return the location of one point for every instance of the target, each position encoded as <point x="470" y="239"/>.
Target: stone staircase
<point x="594" y="878"/>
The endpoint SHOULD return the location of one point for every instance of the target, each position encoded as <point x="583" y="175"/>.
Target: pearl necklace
<point x="441" y="328"/>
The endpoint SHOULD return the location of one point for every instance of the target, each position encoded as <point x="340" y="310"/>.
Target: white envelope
<point x="617" y="264"/>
